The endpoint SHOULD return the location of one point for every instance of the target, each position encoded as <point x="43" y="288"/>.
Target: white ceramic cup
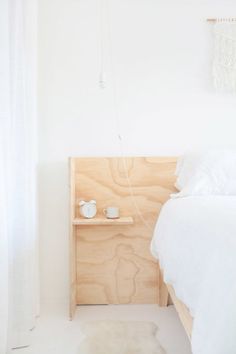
<point x="111" y="212"/>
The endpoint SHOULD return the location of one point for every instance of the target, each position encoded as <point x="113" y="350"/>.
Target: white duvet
<point x="195" y="242"/>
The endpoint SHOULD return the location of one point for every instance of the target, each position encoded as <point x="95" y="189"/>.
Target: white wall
<point x="166" y="105"/>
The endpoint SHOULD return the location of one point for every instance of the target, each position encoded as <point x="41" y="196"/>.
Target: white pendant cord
<point x="102" y="83"/>
<point x="116" y="109"/>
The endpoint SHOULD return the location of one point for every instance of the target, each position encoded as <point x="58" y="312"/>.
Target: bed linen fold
<point x="195" y="242"/>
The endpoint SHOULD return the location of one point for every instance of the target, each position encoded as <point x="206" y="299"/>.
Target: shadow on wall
<point x="53" y="189"/>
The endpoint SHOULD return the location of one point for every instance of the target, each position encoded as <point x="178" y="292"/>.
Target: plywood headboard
<point x="113" y="264"/>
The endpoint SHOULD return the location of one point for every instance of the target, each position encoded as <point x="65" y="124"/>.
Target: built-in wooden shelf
<point x="110" y="261"/>
<point x="126" y="220"/>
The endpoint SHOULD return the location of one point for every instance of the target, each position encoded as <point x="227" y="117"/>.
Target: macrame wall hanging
<point x="224" y="60"/>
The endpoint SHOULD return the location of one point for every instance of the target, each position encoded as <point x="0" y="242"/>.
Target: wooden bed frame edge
<point x="166" y="290"/>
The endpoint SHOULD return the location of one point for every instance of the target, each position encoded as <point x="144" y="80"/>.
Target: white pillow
<point x="214" y="174"/>
<point x="185" y="168"/>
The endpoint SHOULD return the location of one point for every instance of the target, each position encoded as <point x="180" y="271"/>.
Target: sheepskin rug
<point x="115" y="337"/>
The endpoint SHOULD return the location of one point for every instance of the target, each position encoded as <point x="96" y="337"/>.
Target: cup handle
<point x="104" y="211"/>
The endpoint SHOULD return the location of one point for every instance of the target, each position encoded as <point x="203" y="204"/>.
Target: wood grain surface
<point x="113" y="263"/>
<point x="125" y="220"/>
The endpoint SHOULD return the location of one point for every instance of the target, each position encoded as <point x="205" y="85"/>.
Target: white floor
<point x="55" y="334"/>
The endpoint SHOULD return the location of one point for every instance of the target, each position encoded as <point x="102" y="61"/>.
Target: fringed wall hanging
<point x="224" y="61"/>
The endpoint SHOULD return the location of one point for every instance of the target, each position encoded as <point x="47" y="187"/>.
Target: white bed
<point x="195" y="243"/>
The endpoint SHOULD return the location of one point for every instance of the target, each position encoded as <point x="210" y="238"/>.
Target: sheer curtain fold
<point x="18" y="159"/>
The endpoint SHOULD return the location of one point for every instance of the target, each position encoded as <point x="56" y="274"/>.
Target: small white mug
<point x="111" y="212"/>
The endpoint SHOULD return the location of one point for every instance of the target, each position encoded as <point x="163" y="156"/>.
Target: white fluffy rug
<point x="115" y="337"/>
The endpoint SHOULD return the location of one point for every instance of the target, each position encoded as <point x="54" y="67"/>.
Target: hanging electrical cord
<point x="116" y="116"/>
<point x="102" y="82"/>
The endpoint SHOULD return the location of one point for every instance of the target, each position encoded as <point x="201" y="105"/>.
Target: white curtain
<point x="18" y="158"/>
